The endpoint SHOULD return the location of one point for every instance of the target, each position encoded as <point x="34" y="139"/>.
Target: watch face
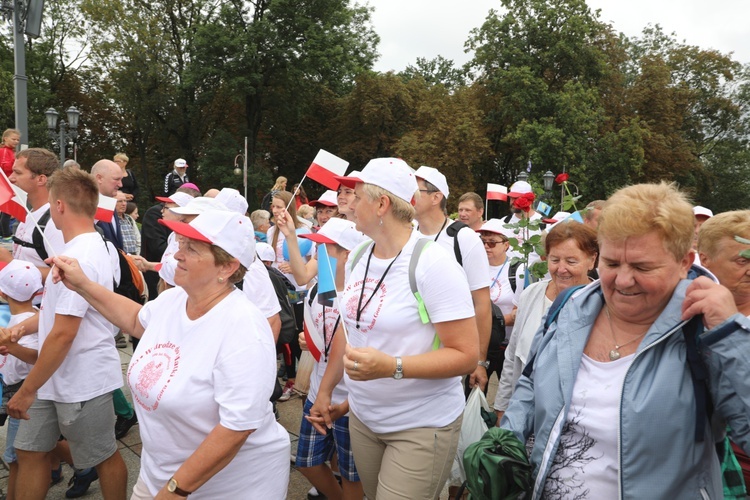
<point x="398" y="375"/>
<point x="171" y="485"/>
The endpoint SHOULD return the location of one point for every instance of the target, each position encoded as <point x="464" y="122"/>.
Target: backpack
<point x="37" y="240"/>
<point x="131" y="283"/>
<point x="282" y="286"/>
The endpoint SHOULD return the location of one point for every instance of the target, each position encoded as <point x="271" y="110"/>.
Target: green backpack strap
<point x="358" y="253"/>
<point x="423" y="315"/>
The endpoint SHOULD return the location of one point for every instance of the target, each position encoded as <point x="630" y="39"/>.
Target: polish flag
<point x="16" y="206"/>
<point x="105" y="211"/>
<point x="6" y="189"/>
<point x="325" y="167"/>
<point x="497" y="192"/>
<point x="315" y="342"/>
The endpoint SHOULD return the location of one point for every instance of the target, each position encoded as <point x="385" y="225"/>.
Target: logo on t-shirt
<point x="3" y="360"/>
<point x="150" y="375"/>
<point x="331" y="315"/>
<point x="371" y="304"/>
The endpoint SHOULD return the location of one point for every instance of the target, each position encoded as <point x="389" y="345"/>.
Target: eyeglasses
<point x="428" y="190"/>
<point x="492" y="244"/>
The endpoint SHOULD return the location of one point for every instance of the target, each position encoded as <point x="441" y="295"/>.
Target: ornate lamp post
<point x="237" y="170"/>
<point x="522" y="176"/>
<point x="67" y="132"/>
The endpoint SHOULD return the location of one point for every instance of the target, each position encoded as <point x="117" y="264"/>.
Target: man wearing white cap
<point x="177" y="177"/>
<point x="466" y="246"/>
<point x="701" y="214"/>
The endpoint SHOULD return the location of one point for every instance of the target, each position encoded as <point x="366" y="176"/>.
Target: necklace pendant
<point x="614" y="355"/>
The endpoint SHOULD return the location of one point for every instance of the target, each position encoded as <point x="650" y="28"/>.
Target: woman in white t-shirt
<point x="403" y="363"/>
<point x="204" y="370"/>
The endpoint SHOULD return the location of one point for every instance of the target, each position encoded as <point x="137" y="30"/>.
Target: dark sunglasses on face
<point x="491" y="244"/>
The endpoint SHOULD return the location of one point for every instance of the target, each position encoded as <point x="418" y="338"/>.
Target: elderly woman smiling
<point x="203" y="372"/>
<point x="611" y="400"/>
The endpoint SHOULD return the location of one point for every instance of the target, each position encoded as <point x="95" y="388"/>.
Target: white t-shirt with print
<point x="501" y="293"/>
<point x="318" y="315"/>
<point x="13" y="369"/>
<point x="390" y="323"/>
<point x="474" y="257"/>
<point x="280" y="255"/>
<point x="586" y="463"/>
<point x="92" y="366"/>
<point x="259" y="289"/>
<point x="188" y="376"/>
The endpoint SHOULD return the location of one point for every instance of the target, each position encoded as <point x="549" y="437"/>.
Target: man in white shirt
<point x="69" y="390"/>
<point x="433" y="223"/>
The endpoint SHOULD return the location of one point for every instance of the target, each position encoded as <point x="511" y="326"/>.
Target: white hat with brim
<point x="180" y="163"/>
<point x="180" y="199"/>
<point x="339" y="231"/>
<point x="327" y="199"/>
<point x="198" y="205"/>
<point x="391" y="174"/>
<point x="233" y="200"/>
<point x="699" y="211"/>
<point x="229" y="231"/>
<point x="20" y="279"/>
<point x="434" y="177"/>
<point x="497" y="226"/>
<point x="519" y="188"/>
<point x="265" y="252"/>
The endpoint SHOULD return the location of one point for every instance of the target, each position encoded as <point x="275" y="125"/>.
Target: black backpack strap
<point x="699" y="374"/>
<point x="452" y="231"/>
<point x="312" y="293"/>
<point x="37" y="239"/>
<point x="512" y="274"/>
<point x="552" y="314"/>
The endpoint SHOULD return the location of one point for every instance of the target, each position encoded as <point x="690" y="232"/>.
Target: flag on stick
<point x="543" y="208"/>
<point x="325" y="167"/>
<point x="326" y="278"/>
<point x="16" y="206"/>
<point x="497" y="192"/>
<point x="105" y="211"/>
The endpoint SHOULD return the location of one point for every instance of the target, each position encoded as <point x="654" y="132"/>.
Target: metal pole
<point x="62" y="142"/>
<point x="244" y="169"/>
<point x="19" y="77"/>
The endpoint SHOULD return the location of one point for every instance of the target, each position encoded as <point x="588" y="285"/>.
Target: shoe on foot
<point x="123" y="425"/>
<point x="287" y="392"/>
<point x="314" y="494"/>
<point x="80" y="482"/>
<point x="120" y="341"/>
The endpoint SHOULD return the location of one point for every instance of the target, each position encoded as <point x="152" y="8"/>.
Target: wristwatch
<point x="172" y="487"/>
<point x="485" y="363"/>
<point x="399" y="373"/>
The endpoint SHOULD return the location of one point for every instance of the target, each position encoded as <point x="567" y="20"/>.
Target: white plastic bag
<point x="473" y="428"/>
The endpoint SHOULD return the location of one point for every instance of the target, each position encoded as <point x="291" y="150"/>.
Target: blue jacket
<point x="659" y="456"/>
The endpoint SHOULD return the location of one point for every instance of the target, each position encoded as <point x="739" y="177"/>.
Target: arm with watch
<point x="483" y="312"/>
<point x="458" y="355"/>
<point x="213" y="454"/>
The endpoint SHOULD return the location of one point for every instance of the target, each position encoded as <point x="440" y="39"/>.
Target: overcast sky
<point x="427" y="28"/>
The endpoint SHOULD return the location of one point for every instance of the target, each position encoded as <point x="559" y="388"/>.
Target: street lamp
<point x="522" y="176"/>
<point x="68" y="131"/>
<point x="549" y="179"/>
<point x="237" y="170"/>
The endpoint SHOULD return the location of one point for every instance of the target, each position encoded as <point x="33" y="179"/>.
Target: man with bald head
<point x="108" y="176"/>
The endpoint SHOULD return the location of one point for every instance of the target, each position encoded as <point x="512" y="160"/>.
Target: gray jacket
<point x="659" y="456"/>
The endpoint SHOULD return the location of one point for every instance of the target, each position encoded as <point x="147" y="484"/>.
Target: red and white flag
<point x="325" y="167"/>
<point x="315" y="341"/>
<point x="106" y="209"/>
<point x="497" y="192"/>
<point x="6" y="189"/>
<point x="16" y="206"/>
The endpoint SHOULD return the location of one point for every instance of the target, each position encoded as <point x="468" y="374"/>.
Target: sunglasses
<point x="492" y="244"/>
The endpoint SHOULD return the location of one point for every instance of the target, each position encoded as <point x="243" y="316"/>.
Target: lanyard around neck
<point x="361" y="307"/>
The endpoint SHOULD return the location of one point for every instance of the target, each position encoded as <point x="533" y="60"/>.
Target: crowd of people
<point x="403" y="311"/>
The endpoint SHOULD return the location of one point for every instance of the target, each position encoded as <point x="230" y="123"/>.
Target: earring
<point x="381" y="221"/>
<point x="221" y="280"/>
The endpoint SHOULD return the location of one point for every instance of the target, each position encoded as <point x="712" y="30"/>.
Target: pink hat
<point x="339" y="231"/>
<point x="391" y="174"/>
<point x="19" y="279"/>
<point x="327" y="199"/>
<point x="229" y="231"/>
<point x="190" y="185"/>
<point x="497" y="226"/>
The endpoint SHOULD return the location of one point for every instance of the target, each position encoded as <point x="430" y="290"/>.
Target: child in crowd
<point x="19" y="281"/>
<point x="11" y="138"/>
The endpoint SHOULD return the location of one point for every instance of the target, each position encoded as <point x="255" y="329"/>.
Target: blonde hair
<point x="723" y="225"/>
<point x="10" y="131"/>
<point x="121" y="156"/>
<point x="77" y="188"/>
<point x="286" y="197"/>
<point x="401" y="210"/>
<point x="279" y="182"/>
<point x="306" y="211"/>
<point x="639" y="209"/>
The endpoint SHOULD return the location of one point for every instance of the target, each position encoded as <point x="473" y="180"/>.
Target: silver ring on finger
<point x="355" y="366"/>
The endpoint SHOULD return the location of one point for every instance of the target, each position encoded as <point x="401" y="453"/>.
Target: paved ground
<point x="130" y="448"/>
